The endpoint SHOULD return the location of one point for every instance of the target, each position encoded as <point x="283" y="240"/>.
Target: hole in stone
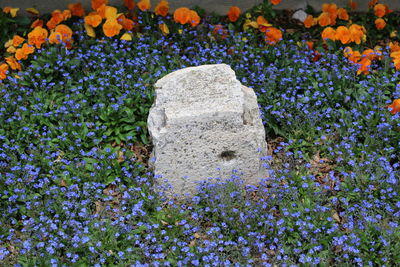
<point x="227" y="155"/>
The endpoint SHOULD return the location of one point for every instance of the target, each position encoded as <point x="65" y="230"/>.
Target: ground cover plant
<point x="76" y="89"/>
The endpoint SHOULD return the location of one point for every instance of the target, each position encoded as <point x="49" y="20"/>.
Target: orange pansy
<point x="111" y="27"/>
<point x="394" y="46"/>
<point x="130" y="4"/>
<point x="380" y="10"/>
<point x="98" y="3"/>
<point x="331" y="9"/>
<point x="348" y="52"/>
<point x="127" y="24"/>
<point x="37" y="36"/>
<point x="12" y="62"/>
<point x="394" y="107"/>
<point x="144" y="5"/>
<point x="380" y="23"/>
<point x="364" y="66"/>
<point x="162" y="8"/>
<point x="309" y="21"/>
<point x="194" y="18"/>
<point x="357" y="32"/>
<point x="275" y="2"/>
<point x="182" y="15"/>
<point x="343" y="34"/>
<point x="329" y="33"/>
<point x="3" y="71"/>
<point x="17" y="40"/>
<point x="263" y="24"/>
<point x="93" y="20"/>
<point x="65" y="31"/>
<point x="342" y="14"/>
<point x="324" y="19"/>
<point x="234" y="13"/>
<point x="37" y="23"/>
<point x="273" y="35"/>
<point x="57" y="16"/>
<point x="67" y="14"/>
<point x="22" y="53"/>
<point x="76" y="9"/>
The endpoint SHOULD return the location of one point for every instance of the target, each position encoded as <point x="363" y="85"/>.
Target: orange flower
<point x="380" y="23"/>
<point x="93" y="20"/>
<point x="220" y="31"/>
<point x="371" y="54"/>
<point x="110" y="12"/>
<point x="324" y="19"/>
<point x="353" y="56"/>
<point x="17" y="40"/>
<point x="67" y="14"/>
<point x="22" y="53"/>
<point x="98" y="3"/>
<point x="13" y="63"/>
<point x="352" y="5"/>
<point x="380" y="10"/>
<point x="394" y="47"/>
<point x="394" y="107"/>
<point x="144" y="5"/>
<point x="101" y="11"/>
<point x="329" y="33"/>
<point x="331" y="9"/>
<point x="263" y="24"/>
<point x="11" y="11"/>
<point x="130" y="4"/>
<point x="65" y="31"/>
<point x="3" y="71"/>
<point x="111" y="27"/>
<point x="387" y="10"/>
<point x="37" y="23"/>
<point x="162" y="8"/>
<point x="364" y="66"/>
<point x="343" y="34"/>
<point x="372" y="3"/>
<point x="182" y="15"/>
<point x="37" y="37"/>
<point x="396" y="62"/>
<point x="275" y="2"/>
<point x="310" y="44"/>
<point x="76" y="9"/>
<point x="55" y="37"/>
<point x="357" y="32"/>
<point x="127" y="24"/>
<point x="342" y="14"/>
<point x="194" y="18"/>
<point x="57" y="16"/>
<point x="309" y="21"/>
<point x="233" y="13"/>
<point x="273" y="35"/>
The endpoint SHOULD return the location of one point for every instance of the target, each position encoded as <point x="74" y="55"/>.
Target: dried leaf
<point x="336" y="217"/>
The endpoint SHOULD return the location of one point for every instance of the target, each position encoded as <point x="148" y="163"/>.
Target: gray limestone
<point x="205" y="123"/>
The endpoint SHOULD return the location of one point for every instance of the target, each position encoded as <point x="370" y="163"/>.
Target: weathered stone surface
<point x="205" y="123"/>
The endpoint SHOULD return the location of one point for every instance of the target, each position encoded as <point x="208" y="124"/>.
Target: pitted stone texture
<point x="205" y="123"/>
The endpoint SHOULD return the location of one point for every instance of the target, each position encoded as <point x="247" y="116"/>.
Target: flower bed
<point x="74" y="182"/>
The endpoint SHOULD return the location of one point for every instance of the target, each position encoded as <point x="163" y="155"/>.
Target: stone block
<point x="204" y="123"/>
